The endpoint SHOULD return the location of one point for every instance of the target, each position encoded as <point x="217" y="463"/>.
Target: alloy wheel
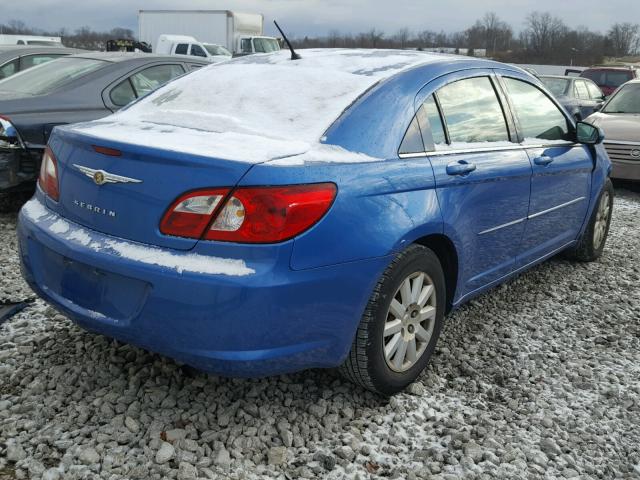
<point x="410" y="322"/>
<point x="602" y="220"/>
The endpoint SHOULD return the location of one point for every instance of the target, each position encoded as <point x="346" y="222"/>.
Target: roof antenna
<point x="294" y="55"/>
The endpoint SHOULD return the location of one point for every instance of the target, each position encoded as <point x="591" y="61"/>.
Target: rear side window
<point x="615" y="79"/>
<point x="431" y="123"/>
<point x="538" y="116"/>
<point x="9" y="69"/>
<point x="182" y="49"/>
<point x="123" y="94"/>
<point x="412" y="142"/>
<point x="581" y="90"/>
<point x="33" y="60"/>
<point x="153" y="77"/>
<point x="472" y="111"/>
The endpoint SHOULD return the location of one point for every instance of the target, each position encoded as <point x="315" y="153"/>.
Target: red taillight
<point x="48" y="179"/>
<point x="250" y="215"/>
<point x="191" y="214"/>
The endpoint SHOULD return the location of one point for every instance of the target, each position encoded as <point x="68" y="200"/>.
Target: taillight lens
<point x="48" y="179"/>
<point x="190" y="215"/>
<point x="250" y="215"/>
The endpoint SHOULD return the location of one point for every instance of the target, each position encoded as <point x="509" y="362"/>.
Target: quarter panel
<point x="380" y="207"/>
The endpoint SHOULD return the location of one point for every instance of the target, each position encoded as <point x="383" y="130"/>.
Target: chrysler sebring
<point x="268" y="215"/>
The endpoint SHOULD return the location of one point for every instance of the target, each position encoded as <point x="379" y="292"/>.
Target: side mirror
<point x="598" y="106"/>
<point x="587" y="134"/>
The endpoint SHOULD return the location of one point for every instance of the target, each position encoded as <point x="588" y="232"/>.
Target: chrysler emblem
<point x="100" y="177"/>
<point x="635" y="153"/>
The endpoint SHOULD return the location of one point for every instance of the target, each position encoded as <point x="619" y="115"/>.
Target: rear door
<point x="586" y="103"/>
<point x="482" y="177"/>
<point x="561" y="181"/>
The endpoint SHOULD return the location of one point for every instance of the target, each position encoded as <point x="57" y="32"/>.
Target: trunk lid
<point x="155" y="167"/>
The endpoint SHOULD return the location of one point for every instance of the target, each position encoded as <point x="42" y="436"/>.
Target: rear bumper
<point x="626" y="170"/>
<point x="252" y="320"/>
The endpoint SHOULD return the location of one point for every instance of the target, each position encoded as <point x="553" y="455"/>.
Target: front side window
<point x="538" y="116"/>
<point x="245" y="45"/>
<point x="198" y="51"/>
<point x="594" y="91"/>
<point x="472" y="111"/>
<point x="265" y="45"/>
<point x="154" y="77"/>
<point x="50" y="76"/>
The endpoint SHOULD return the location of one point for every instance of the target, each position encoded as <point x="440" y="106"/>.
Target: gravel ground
<point x="538" y="378"/>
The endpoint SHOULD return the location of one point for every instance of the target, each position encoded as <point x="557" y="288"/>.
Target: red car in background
<point x="610" y="78"/>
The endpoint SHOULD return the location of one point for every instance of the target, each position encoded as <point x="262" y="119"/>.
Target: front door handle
<point x="460" y="168"/>
<point x="543" y="161"/>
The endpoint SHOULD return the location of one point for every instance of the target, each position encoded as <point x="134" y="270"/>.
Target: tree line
<point x="545" y="39"/>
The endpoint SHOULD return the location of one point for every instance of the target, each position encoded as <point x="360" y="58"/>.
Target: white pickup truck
<point x="185" y="45"/>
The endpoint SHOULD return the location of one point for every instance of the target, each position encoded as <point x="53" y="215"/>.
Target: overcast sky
<point x="317" y="17"/>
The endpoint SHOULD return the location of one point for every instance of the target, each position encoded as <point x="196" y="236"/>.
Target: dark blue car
<point x="267" y="215"/>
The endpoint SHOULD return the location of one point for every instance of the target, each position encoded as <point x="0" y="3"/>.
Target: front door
<point x="561" y="180"/>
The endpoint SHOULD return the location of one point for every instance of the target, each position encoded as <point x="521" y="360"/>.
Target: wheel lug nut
<point x="411" y="328"/>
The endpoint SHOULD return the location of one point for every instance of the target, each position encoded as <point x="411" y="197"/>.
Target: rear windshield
<point x="627" y="100"/>
<point x="50" y="76"/>
<point x="558" y="86"/>
<point x="608" y="78"/>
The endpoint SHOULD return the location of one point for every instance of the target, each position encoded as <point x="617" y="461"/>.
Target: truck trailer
<point x="240" y="33"/>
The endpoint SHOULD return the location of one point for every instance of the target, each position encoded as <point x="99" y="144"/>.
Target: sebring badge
<point x="100" y="177"/>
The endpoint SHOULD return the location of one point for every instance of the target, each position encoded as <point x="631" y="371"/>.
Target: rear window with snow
<point x="270" y="95"/>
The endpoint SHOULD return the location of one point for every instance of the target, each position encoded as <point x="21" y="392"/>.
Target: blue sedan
<point x="268" y="215"/>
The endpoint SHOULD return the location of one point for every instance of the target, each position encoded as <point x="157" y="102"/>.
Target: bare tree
<point x="543" y="33"/>
<point x="402" y="37"/>
<point x="624" y="38"/>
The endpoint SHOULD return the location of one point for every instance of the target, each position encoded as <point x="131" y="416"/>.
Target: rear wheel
<point x="401" y="324"/>
<point x="592" y="241"/>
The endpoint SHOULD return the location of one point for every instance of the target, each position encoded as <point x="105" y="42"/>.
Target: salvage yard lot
<point x="538" y="377"/>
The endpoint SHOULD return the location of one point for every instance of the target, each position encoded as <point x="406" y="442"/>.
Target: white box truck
<point x="240" y="33"/>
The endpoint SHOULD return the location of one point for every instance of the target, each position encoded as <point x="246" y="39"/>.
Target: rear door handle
<point x="543" y="160"/>
<point x="460" y="168"/>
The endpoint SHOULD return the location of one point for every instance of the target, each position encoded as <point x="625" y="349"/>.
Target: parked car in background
<point x="620" y="120"/>
<point x="14" y="59"/>
<point x="321" y="212"/>
<point x="33" y="40"/>
<point x="580" y="96"/>
<point x="184" y="45"/>
<point x="608" y="78"/>
<point x="68" y="90"/>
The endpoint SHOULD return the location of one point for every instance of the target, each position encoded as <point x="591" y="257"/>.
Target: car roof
<point x="117" y="57"/>
<point x="562" y="77"/>
<point x="7" y="51"/>
<point x="375" y="63"/>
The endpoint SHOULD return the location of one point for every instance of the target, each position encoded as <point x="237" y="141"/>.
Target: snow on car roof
<point x="267" y="96"/>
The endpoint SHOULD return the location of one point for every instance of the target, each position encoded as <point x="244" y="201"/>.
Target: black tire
<point x="588" y="249"/>
<point x="366" y="365"/>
